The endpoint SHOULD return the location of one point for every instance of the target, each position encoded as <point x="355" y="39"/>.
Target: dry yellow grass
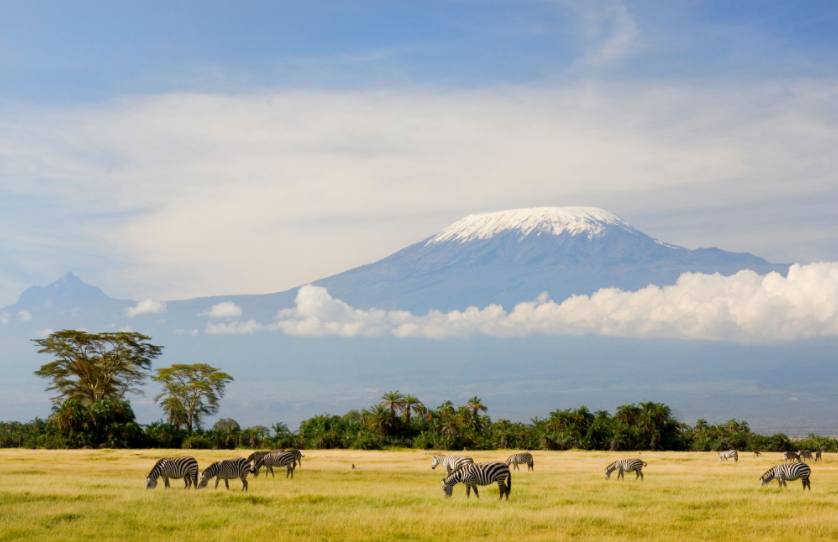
<point x="393" y="495"/>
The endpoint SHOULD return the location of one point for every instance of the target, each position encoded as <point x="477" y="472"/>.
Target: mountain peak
<point x="69" y="291"/>
<point x="588" y="221"/>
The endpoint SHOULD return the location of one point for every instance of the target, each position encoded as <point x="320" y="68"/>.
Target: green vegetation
<point x="93" y="371"/>
<point x="79" y="495"/>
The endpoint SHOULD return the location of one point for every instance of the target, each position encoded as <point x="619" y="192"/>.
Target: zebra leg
<point x="468" y="491"/>
<point x="501" y="490"/>
<point x="226" y="483"/>
<point x="531" y="465"/>
<point x="270" y="468"/>
<point x="217" y="480"/>
<point x="515" y="465"/>
<point x="476" y="494"/>
<point x="186" y="482"/>
<point x="639" y="474"/>
<point x="244" y="483"/>
<point x="166" y="482"/>
<point x="620" y="475"/>
<point x="807" y="484"/>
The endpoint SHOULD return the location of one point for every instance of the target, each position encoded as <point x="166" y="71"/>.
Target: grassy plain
<point x="98" y="495"/>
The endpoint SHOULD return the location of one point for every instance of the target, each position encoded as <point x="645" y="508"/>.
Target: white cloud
<point x="744" y="307"/>
<point x="24" y="315"/>
<point x="225" y="309"/>
<point x="146" y="306"/>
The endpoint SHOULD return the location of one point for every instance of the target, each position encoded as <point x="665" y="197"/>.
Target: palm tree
<point x="393" y="400"/>
<point x="411" y="404"/>
<point x="475" y="405"/>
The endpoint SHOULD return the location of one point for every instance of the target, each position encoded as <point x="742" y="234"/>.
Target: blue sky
<point x="157" y="148"/>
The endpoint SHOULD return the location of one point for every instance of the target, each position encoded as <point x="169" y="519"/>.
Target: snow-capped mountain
<point x="502" y="257"/>
<point x="511" y="256"/>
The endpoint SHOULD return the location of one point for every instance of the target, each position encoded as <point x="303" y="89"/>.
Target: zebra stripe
<point x="174" y="467"/>
<point x="519" y="458"/>
<point x="450" y="462"/>
<point x="277" y="459"/>
<point x="729" y="454"/>
<point x="226" y="469"/>
<point x="481" y="474"/>
<point x="625" y="465"/>
<point x="788" y="472"/>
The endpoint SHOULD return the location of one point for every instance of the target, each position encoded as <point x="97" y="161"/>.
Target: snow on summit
<point x="589" y="221"/>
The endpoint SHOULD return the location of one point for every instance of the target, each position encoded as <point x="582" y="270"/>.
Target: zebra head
<point x="609" y="469"/>
<point x="767" y="477"/>
<point x="208" y="473"/>
<point x="150" y="483"/>
<point x="435" y="460"/>
<point x="447" y="488"/>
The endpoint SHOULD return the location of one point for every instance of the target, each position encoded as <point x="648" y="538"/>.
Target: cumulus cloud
<point x="225" y="309"/>
<point x="744" y="307"/>
<point x="146" y="306"/>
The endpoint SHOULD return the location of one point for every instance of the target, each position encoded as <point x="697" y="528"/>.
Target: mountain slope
<point x="512" y="256"/>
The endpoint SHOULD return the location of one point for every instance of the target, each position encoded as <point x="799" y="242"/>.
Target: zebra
<point x="785" y="472"/>
<point x="481" y="474"/>
<point x="226" y="469"/>
<point x="805" y="454"/>
<point x="729" y="454"/>
<point x="174" y="467"/>
<point x="255" y="456"/>
<point x="450" y="462"/>
<point x="792" y="456"/>
<point x="625" y="465"/>
<point x="818" y="455"/>
<point x="521" y="457"/>
<point x="277" y="459"/>
<point x="757" y="453"/>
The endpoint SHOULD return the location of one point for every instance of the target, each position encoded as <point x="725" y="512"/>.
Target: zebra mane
<point x="153" y="471"/>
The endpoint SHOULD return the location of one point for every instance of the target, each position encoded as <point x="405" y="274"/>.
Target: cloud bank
<point x="146" y="306"/>
<point x="225" y="309"/>
<point x="745" y="307"/>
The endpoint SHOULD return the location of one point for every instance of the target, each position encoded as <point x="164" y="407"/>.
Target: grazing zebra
<point x="226" y="469"/>
<point x="791" y="456"/>
<point x="786" y="472"/>
<point x="757" y="453"/>
<point x="625" y="465"/>
<point x="174" y="467"/>
<point x="298" y="455"/>
<point x="450" y="462"/>
<point x="255" y="456"/>
<point x="276" y="459"/>
<point x="521" y="457"/>
<point x="729" y="454"/>
<point x="481" y="474"/>
<point x="805" y="454"/>
<point x="819" y="454"/>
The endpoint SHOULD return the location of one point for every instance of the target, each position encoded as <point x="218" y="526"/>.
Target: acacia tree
<point x="190" y="392"/>
<point x="90" y="367"/>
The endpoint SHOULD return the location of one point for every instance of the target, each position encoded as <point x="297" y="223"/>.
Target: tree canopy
<point x="91" y="367"/>
<point x="190" y="392"/>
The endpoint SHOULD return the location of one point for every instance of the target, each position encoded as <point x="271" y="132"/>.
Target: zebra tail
<point x="509" y="482"/>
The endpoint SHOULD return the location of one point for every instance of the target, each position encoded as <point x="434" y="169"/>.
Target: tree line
<point x="91" y="374"/>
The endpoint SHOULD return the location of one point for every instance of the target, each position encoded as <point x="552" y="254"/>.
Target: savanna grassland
<point x="394" y="495"/>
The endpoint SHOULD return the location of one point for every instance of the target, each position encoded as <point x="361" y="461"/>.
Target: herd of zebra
<point x="226" y="469"/>
<point x="460" y="469"/>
